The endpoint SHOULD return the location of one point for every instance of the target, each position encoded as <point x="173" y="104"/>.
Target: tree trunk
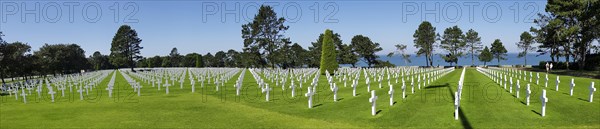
<point x="2" y="76"/>
<point x="430" y="60"/>
<point x="567" y="61"/>
<point x="498" y="61"/>
<point x="472" y="58"/>
<point x="427" y="59"/>
<point x="525" y="60"/>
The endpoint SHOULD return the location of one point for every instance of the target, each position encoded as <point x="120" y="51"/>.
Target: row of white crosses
<point x="435" y="75"/>
<point x="495" y="73"/>
<point x="458" y="93"/>
<point x="591" y="88"/>
<point x="111" y="84"/>
<point x="135" y="85"/>
<point x="89" y="80"/>
<point x="155" y="76"/>
<point x="500" y="77"/>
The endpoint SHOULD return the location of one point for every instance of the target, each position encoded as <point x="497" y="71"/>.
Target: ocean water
<point x="511" y="59"/>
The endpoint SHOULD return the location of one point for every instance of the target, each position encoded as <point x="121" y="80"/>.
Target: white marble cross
<point x="109" y="89"/>
<point x="412" y="86"/>
<point x="557" y="82"/>
<point x="167" y="85"/>
<point x="546" y="85"/>
<point x="80" y="90"/>
<point x="372" y="100"/>
<point x="528" y="94"/>
<point x="138" y="87"/>
<point x="391" y="93"/>
<point x="193" y="82"/>
<point x="592" y="90"/>
<point x="354" y="84"/>
<point x="310" y="94"/>
<point x="544" y="100"/>
<point x="511" y="85"/>
<point x="51" y="92"/>
<point x="518" y="88"/>
<point x="505" y="81"/>
<point x="530" y="77"/>
<point x="403" y="89"/>
<point x="238" y="86"/>
<point x="267" y="89"/>
<point x="334" y="89"/>
<point x="572" y="86"/>
<point x="158" y="82"/>
<point x="23" y="94"/>
<point x="456" y="105"/>
<point x="537" y="80"/>
<point x="293" y="87"/>
<point x="368" y="85"/>
<point x="181" y="83"/>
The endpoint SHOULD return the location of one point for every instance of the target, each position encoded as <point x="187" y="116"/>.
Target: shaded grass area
<point x="484" y="105"/>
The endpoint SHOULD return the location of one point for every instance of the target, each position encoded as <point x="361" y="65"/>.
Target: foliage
<point x="498" y="50"/>
<point x="473" y="44"/>
<point x="366" y="49"/>
<point x="264" y="35"/>
<point x="328" y="54"/>
<point x="453" y="41"/>
<point x="125" y="47"/>
<point x="525" y="44"/>
<point x="401" y="50"/>
<point x="486" y="56"/>
<point x="425" y="41"/>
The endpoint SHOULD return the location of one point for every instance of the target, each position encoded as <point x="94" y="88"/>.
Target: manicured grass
<point x="484" y="105"/>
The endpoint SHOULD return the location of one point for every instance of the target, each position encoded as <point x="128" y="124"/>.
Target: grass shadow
<point x="583" y="99"/>
<point x="536" y="112"/>
<point x="378" y="111"/>
<point x="318" y="105"/>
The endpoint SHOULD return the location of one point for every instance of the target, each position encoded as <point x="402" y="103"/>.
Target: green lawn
<point x="484" y="105"/>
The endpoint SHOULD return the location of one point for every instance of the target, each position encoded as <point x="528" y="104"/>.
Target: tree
<point x="547" y="36"/>
<point x="498" y="50"/>
<point x="344" y="52"/>
<point x="348" y="56"/>
<point x="365" y="49"/>
<point x="401" y="50"/>
<point x="473" y="44"/>
<point x="166" y="61"/>
<point x="486" y="56"/>
<point x="219" y="59"/>
<point x="99" y="61"/>
<point x="425" y="39"/>
<point x="328" y="54"/>
<point x="199" y="61"/>
<point x="264" y="35"/>
<point x="209" y="60"/>
<point x="155" y="61"/>
<point x="62" y="58"/>
<point x="175" y="58"/>
<point x="579" y="27"/>
<point x="453" y="41"/>
<point x="298" y="55"/>
<point x="233" y="58"/>
<point x="189" y="60"/>
<point x="16" y="61"/>
<point x="125" y="47"/>
<point x="525" y="44"/>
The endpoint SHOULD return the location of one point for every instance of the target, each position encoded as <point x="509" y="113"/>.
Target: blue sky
<point x="194" y="26"/>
